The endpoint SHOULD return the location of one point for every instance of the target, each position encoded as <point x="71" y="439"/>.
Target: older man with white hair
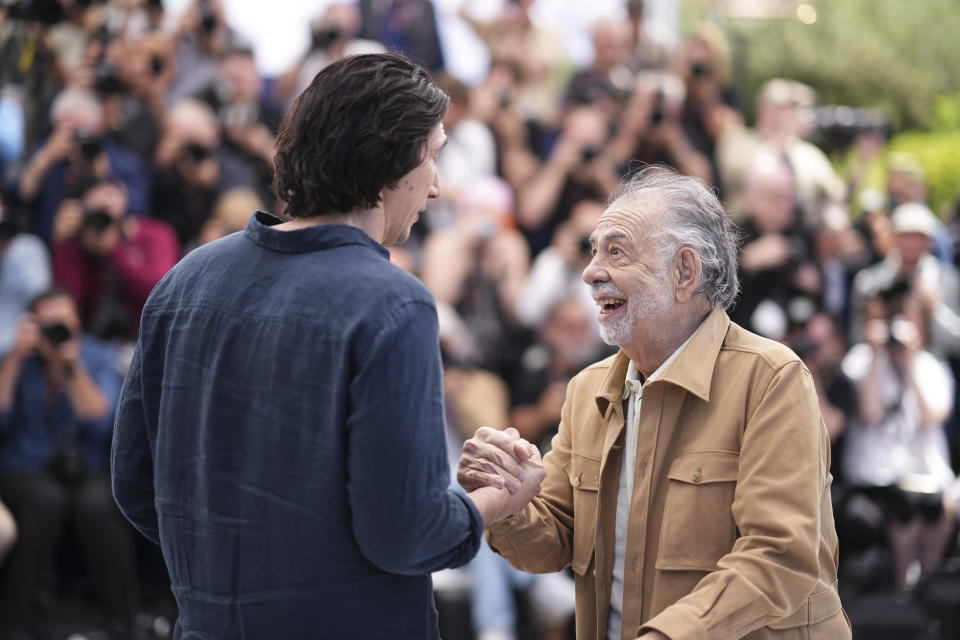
<point x="935" y="283"/>
<point x="75" y="154"/>
<point x="689" y="485"/>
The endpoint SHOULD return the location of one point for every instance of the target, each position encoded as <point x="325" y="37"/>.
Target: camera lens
<point x="157" y="64"/>
<point x="208" y="19"/>
<point x="90" y="145"/>
<point x="197" y="152"/>
<point x="56" y="334"/>
<point x="701" y="70"/>
<point x="96" y="219"/>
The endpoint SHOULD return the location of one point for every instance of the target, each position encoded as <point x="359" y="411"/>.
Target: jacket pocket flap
<point x="816" y="608"/>
<point x="582" y="562"/>
<point x="584" y="473"/>
<point x="698" y="467"/>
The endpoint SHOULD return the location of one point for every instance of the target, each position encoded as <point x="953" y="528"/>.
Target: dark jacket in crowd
<point x="280" y="434"/>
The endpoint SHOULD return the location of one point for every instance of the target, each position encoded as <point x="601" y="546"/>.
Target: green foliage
<point x="890" y="54"/>
<point x="939" y="152"/>
<point x="947" y="113"/>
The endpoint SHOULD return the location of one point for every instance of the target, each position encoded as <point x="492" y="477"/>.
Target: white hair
<point x="693" y="218"/>
<point x="77" y="101"/>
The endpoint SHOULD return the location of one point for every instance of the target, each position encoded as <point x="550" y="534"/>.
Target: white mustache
<point x="605" y="290"/>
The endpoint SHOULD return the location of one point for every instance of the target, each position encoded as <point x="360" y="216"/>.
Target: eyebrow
<point x="613" y="235"/>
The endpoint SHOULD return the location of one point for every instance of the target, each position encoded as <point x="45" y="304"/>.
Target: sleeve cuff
<point x="677" y="622"/>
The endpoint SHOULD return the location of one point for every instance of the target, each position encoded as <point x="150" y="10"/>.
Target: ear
<point x="688" y="269"/>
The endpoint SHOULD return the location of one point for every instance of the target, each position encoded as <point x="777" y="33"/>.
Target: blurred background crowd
<point x="131" y="134"/>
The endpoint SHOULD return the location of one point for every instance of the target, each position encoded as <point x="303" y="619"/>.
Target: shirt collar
<point x="633" y="383"/>
<point x="316" y="238"/>
<point x="692" y="368"/>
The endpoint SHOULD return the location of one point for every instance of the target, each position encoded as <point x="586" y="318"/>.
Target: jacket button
<point x="697" y="475"/>
<point x="576" y="481"/>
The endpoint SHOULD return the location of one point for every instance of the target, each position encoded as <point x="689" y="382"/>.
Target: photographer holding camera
<point x="110" y="260"/>
<point x="896" y="448"/>
<point x="58" y="389"/>
<point x="77" y="151"/>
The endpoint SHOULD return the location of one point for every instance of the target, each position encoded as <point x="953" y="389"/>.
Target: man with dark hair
<point x="280" y="432"/>
<point x="58" y="389"/>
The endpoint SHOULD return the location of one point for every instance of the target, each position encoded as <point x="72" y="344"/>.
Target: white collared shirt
<point x="632" y="390"/>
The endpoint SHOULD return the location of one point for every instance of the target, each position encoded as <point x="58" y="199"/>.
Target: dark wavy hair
<point x="360" y="126"/>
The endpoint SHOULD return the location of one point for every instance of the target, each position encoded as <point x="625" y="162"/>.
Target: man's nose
<point x="594" y="272"/>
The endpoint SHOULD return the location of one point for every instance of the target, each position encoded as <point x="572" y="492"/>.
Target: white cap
<point x="913" y="217"/>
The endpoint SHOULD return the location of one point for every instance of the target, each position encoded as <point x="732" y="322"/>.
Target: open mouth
<point x="609" y="305"/>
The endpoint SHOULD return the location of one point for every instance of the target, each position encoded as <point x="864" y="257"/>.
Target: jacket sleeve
<point x="539" y="539"/>
<point x="131" y="461"/>
<point x="773" y="565"/>
<point x="405" y="517"/>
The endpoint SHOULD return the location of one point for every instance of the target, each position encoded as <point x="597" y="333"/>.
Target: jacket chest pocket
<point x="585" y="480"/>
<point x="698" y="527"/>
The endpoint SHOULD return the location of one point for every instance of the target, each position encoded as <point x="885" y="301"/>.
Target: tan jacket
<point x="731" y="529"/>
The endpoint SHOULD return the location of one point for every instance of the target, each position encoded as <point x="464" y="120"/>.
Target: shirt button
<point x="596" y="479"/>
<point x="594" y="573"/>
<point x="697" y="475"/>
<point x="576" y="481"/>
<point x="634" y="562"/>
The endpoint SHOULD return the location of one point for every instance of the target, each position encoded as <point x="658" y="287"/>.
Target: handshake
<point x="500" y="471"/>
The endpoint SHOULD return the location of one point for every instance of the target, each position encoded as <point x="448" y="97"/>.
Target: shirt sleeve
<point x="777" y="507"/>
<point x="540" y="538"/>
<point x="405" y="518"/>
<point x="131" y="461"/>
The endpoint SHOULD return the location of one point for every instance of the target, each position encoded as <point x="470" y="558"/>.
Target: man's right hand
<point x="496" y="504"/>
<point x="493" y="458"/>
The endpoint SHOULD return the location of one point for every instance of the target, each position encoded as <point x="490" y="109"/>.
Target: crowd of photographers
<point x="128" y="138"/>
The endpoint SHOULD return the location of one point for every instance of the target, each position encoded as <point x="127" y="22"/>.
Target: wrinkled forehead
<point x="636" y="216"/>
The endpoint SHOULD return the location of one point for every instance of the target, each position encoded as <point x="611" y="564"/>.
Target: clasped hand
<point x="504" y="461"/>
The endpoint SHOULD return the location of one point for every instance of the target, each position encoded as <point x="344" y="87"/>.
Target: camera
<point x="322" y="36"/>
<point x="656" y="114"/>
<point x="838" y="125"/>
<point x="56" y="334"/>
<point x="89" y="144"/>
<point x="105" y="79"/>
<point x="701" y="69"/>
<point x="45" y="12"/>
<point x="208" y="18"/>
<point x="588" y="153"/>
<point x="157" y="64"/>
<point x="197" y="152"/>
<point x="96" y="220"/>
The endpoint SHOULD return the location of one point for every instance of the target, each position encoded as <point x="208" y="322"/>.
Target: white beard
<point x="623" y="329"/>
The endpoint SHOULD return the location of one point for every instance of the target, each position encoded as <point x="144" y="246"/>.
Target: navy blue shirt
<point x="41" y="419"/>
<point x="280" y="434"/>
